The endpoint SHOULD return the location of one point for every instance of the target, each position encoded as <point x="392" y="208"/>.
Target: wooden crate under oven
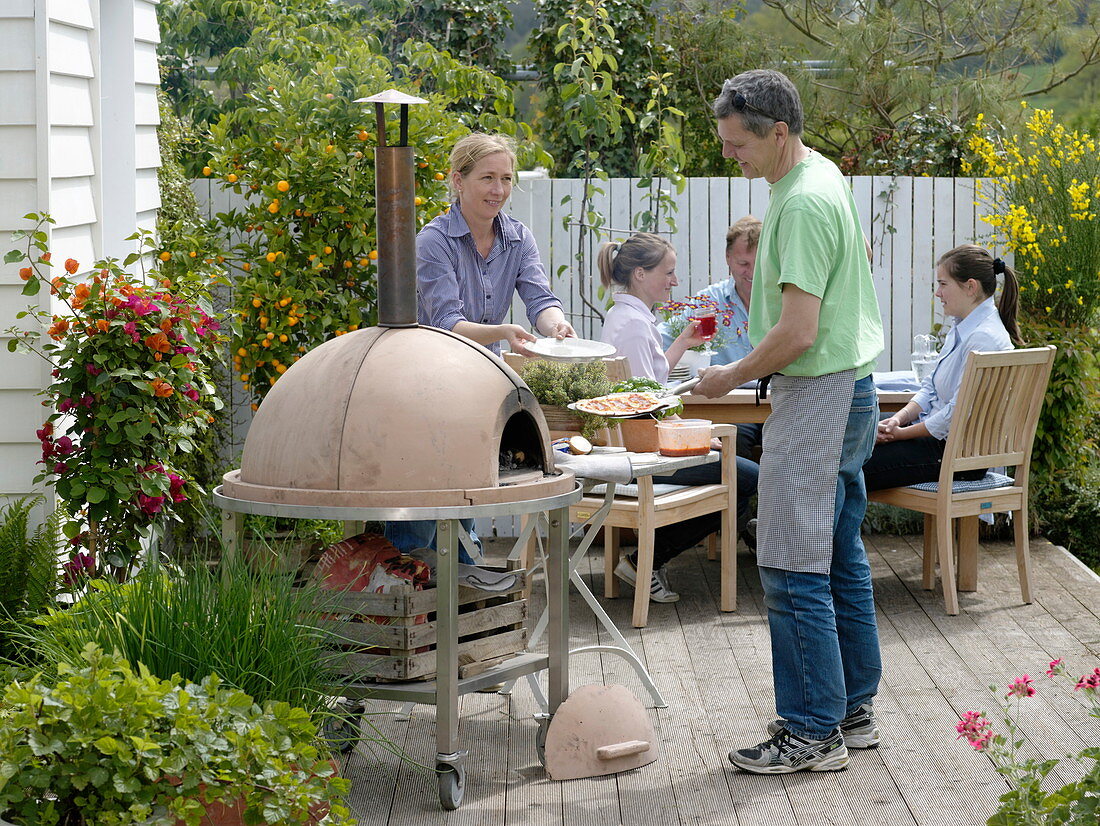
<point x="392" y="636"/>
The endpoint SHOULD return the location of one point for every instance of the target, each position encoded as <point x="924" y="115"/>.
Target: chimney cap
<point x="392" y="96"/>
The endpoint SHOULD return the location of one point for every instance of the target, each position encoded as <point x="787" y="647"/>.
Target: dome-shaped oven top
<point x="397" y="417"/>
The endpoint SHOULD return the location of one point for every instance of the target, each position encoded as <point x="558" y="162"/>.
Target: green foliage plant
<point x="28" y="565"/>
<point x="559" y="384"/>
<point x="1076" y="803"/>
<point x="472" y="31"/>
<point x="131" y="389"/>
<point x="1043" y="201"/>
<point x="108" y="743"/>
<point x="594" y="59"/>
<point x="593" y="113"/>
<point x="249" y="626"/>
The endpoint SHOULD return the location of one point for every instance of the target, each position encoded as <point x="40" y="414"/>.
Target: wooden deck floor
<point x="714" y="670"/>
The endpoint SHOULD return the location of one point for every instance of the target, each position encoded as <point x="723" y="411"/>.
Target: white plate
<point x="570" y="349"/>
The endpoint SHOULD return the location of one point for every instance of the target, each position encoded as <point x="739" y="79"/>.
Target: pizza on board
<point x="620" y="404"/>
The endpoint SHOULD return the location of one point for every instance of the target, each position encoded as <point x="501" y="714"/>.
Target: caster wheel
<point x="540" y="742"/>
<point x="342" y="730"/>
<point x="452" y="785"/>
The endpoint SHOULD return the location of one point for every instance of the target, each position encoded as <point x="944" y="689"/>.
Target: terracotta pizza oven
<point x="397" y="415"/>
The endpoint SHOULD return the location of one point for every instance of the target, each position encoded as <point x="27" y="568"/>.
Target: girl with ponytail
<point x="909" y="444"/>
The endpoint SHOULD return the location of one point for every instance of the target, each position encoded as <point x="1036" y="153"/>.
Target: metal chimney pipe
<point x="395" y="211"/>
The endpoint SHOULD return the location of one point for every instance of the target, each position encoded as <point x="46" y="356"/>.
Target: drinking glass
<point x="708" y="326"/>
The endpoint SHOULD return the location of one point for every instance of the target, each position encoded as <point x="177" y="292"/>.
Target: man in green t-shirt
<point x="816" y="333"/>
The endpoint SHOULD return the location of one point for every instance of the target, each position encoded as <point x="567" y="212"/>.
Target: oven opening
<point x="521" y="450"/>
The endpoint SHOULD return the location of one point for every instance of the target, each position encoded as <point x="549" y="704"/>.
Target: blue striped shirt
<point x="454" y="283"/>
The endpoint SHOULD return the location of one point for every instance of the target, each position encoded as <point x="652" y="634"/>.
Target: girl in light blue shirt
<point x="910" y="443"/>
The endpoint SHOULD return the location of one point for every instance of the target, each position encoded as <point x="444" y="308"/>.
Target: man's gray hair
<point x="761" y="97"/>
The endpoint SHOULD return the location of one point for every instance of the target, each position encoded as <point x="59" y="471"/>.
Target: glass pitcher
<point x="924" y="355"/>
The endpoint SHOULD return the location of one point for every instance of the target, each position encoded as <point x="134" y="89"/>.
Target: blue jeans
<point x="420" y="533"/>
<point x="825" y="651"/>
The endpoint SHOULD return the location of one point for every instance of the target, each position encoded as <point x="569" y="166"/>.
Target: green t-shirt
<point x="812" y="239"/>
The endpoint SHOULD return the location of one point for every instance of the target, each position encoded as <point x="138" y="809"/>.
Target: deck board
<point x="714" y="670"/>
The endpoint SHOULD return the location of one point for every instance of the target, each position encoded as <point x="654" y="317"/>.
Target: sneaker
<point x="658" y="586"/>
<point x="748" y="535"/>
<point x="859" y="729"/>
<point x="786" y="752"/>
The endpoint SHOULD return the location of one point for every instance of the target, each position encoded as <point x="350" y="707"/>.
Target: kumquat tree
<point x="130" y="392"/>
<point x="1045" y="199"/>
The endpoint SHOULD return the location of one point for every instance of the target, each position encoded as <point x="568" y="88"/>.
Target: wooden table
<point x="739" y="406"/>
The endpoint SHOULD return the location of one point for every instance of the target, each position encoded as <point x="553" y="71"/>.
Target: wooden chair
<point x="993" y="425"/>
<point x="648" y="511"/>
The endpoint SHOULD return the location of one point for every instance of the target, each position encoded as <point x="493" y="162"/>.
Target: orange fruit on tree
<point x="246" y="267"/>
<point x="363" y="262"/>
<point x="373" y="255"/>
<point x="231" y="177"/>
<point x="165" y="256"/>
<point x="439" y="176"/>
<point x="256" y="302"/>
<point x="193" y="254"/>
<point x="329" y="149"/>
<point x="347" y="265"/>
<point x="292" y="320"/>
<point x="271" y="257"/>
<point x="283" y="337"/>
<point x="418" y="200"/>
<point x="281" y="368"/>
<point x="206" y="170"/>
<point x="282" y="186"/>
<point x="362" y="135"/>
<point x="274" y="207"/>
<point x="328" y="250"/>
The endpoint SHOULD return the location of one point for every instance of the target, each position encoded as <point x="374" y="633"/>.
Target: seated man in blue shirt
<point x="732" y="297"/>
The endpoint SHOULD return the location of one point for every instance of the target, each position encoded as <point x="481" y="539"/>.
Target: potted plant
<point x="640" y="433"/>
<point x="556" y="385"/>
<point x="243" y="624"/>
<point x="106" y="743"/>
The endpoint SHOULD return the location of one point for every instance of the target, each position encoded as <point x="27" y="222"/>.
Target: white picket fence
<point x="909" y="222"/>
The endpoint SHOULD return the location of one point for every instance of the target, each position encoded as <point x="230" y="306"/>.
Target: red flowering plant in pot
<point x="131" y="389"/>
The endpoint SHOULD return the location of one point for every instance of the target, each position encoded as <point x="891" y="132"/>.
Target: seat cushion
<point x="988" y="482"/>
<point x="632" y="489"/>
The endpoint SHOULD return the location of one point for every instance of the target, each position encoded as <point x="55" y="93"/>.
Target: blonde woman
<point x="470" y="260"/>
<point x="641" y="272"/>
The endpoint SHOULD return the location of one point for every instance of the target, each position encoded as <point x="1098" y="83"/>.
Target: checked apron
<point x="802" y="442"/>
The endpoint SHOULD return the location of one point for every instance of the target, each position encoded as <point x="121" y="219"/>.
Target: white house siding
<point x="78" y="121"/>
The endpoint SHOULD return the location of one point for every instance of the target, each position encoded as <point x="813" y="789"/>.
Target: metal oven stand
<point x="444" y="691"/>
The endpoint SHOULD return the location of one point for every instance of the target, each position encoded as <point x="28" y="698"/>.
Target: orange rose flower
<point x="71" y="266"/>
<point x="161" y="388"/>
<point x="166" y="325"/>
<point x="59" y="328"/>
<point x="158" y="342"/>
<point x="103" y="324"/>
